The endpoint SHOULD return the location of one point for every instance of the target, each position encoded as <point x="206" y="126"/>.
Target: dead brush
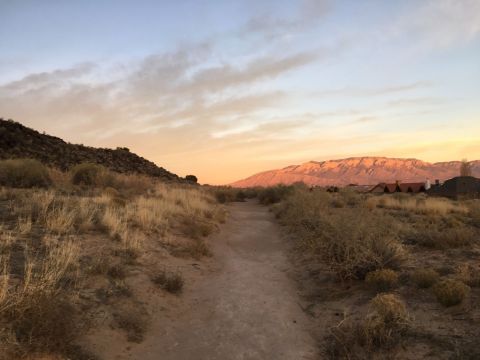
<point x="386" y="322"/>
<point x="382" y="279"/>
<point x="450" y="292"/>
<point x="132" y="244"/>
<point x="7" y="239"/>
<point x="133" y="322"/>
<point x="382" y="328"/>
<point x="114" y="221"/>
<point x="435" y="238"/>
<point x="60" y="219"/>
<point x="24" y="225"/>
<point x="352" y="241"/>
<point x="170" y="281"/>
<point x="39" y="312"/>
<point x="418" y="205"/>
<point x="425" y="278"/>
<point x="196" y="228"/>
<point x="468" y="274"/>
<point x="195" y="249"/>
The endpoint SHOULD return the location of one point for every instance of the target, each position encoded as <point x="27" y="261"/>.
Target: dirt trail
<point x="246" y="307"/>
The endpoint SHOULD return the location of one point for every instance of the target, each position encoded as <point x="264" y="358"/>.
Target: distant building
<point x="458" y="187"/>
<point x="398" y="187"/>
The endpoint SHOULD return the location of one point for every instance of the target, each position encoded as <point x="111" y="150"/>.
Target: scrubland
<point x="73" y="245"/>
<point x="388" y="276"/>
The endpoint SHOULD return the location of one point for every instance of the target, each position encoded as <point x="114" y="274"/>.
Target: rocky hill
<point x="359" y="170"/>
<point x="18" y="141"/>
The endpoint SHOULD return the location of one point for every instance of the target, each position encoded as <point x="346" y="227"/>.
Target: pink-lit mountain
<point x="358" y="170"/>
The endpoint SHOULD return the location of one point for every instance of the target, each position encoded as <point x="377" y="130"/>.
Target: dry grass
<point x="352" y="241"/>
<point x="39" y="314"/>
<point x="468" y="274"/>
<point x="60" y="219"/>
<point x="425" y="278"/>
<point x="170" y="281"/>
<point x="385" y="323"/>
<point x="133" y="322"/>
<point x="445" y="238"/>
<point x="382" y="328"/>
<point x="115" y="221"/>
<point x="382" y="280"/>
<point x="450" y="292"/>
<point x="381" y="239"/>
<point x="417" y="204"/>
<point x="24" y="225"/>
<point x="46" y="257"/>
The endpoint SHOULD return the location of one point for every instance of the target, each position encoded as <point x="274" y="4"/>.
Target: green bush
<point x="24" y="173"/>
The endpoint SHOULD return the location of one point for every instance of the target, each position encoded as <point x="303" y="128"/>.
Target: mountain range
<point x="19" y="141"/>
<point x="358" y="170"/>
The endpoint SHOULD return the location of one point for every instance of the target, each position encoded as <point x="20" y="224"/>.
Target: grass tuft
<point x="170" y="281"/>
<point x="382" y="279"/>
<point x="450" y="292"/>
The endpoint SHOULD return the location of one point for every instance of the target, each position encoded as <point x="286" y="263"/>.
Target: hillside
<point x="360" y="170"/>
<point x="18" y="141"/>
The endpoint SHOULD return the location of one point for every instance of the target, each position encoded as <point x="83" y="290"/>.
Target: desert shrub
<point x="221" y="197"/>
<point x="425" y="278"/>
<point x="132" y="184"/>
<point x="444" y="238"/>
<point x="450" y="292"/>
<point x="195" y="249"/>
<point x="382" y="279"/>
<point x="191" y="178"/>
<point x="196" y="228"/>
<point x="117" y="271"/>
<point x="24" y="173"/>
<point x="250" y="193"/>
<point x="386" y="322"/>
<point x="114" y="222"/>
<point x="475" y="212"/>
<point x="240" y="196"/>
<point x="169" y="281"/>
<point x="419" y="205"/>
<point x="352" y="241"/>
<point x="40" y="314"/>
<point x="338" y="203"/>
<point x="228" y="194"/>
<point x="274" y="194"/>
<point x="469" y="275"/>
<point x="60" y="219"/>
<point x="133" y="322"/>
<point x="88" y="174"/>
<point x="350" y="197"/>
<point x="382" y="328"/>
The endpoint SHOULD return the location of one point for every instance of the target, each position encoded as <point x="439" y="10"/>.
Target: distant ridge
<point x="358" y="170"/>
<point x="19" y="141"/>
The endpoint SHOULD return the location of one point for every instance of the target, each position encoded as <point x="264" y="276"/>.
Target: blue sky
<point x="224" y="89"/>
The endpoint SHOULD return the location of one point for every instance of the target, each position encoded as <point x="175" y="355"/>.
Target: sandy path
<point x="246" y="308"/>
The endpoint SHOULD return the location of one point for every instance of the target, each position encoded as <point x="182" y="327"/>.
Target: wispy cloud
<point x="440" y="24"/>
<point x="380" y="91"/>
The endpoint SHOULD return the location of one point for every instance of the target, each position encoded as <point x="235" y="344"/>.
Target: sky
<point x="223" y="89"/>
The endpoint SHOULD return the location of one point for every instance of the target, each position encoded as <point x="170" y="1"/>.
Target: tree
<point x="191" y="178"/>
<point x="465" y="168"/>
